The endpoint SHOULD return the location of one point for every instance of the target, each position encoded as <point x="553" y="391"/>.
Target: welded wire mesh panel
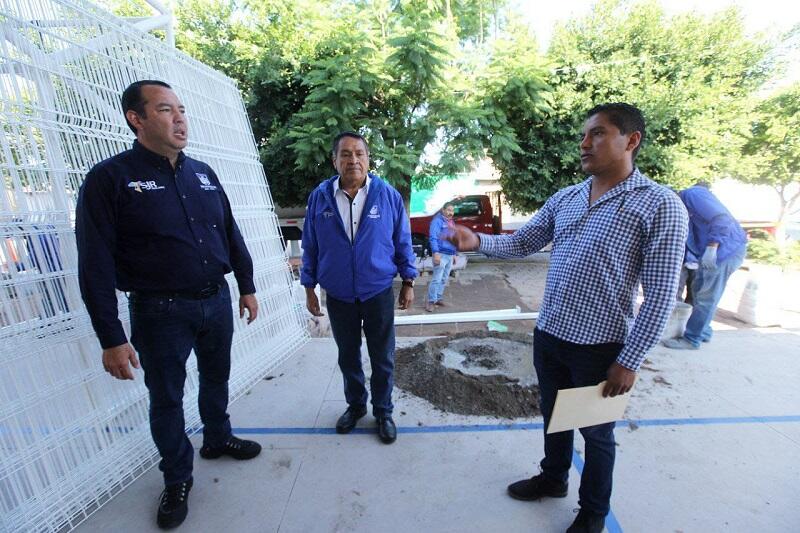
<point x="70" y="435"/>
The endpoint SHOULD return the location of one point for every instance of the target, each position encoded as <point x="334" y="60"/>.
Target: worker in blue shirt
<point x="721" y="244"/>
<point x="612" y="232"/>
<point x="157" y="224"/>
<point x="443" y="253"/>
<point x="356" y="239"/>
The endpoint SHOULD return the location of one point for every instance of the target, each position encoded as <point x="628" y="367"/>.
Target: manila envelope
<point x="585" y="406"/>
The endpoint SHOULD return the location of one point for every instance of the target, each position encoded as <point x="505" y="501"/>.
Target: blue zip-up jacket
<point x="710" y="221"/>
<point x="439" y="225"/>
<point x="381" y="249"/>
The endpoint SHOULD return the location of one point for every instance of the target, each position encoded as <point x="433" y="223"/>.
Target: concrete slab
<point x="424" y="482"/>
<point x="227" y="495"/>
<point x="698" y="457"/>
<point x="737" y="477"/>
<point x="711" y="443"/>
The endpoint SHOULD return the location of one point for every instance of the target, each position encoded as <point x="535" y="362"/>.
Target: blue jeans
<point x="376" y="315"/>
<point x="559" y="365"/>
<point x="707" y="288"/>
<point x="441" y="274"/>
<point x="164" y="331"/>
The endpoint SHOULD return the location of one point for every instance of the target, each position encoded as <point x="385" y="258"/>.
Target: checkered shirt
<point x="636" y="232"/>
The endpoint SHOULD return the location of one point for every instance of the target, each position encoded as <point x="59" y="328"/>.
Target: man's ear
<point x="634" y="140"/>
<point x="134" y="118"/>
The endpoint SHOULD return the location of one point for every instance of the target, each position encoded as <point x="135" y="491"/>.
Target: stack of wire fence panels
<point x="71" y="437"/>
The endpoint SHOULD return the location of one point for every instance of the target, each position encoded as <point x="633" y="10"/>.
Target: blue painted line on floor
<point x="459" y="428"/>
<point x="711" y="421"/>
<point x="708" y="421"/>
<point x="611" y="521"/>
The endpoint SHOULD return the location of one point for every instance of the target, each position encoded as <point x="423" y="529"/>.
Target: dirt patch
<point x="481" y="355"/>
<point x="472" y="373"/>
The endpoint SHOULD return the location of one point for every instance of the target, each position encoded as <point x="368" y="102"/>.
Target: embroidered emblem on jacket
<point x="140" y="186"/>
<point x="205" y="183"/>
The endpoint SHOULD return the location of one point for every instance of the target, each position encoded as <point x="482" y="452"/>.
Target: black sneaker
<point x="587" y="522"/>
<point x="235" y="447"/>
<point x="536" y="488"/>
<point x="173" y="505"/>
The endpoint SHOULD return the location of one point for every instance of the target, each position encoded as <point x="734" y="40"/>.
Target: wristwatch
<point x="408" y="283"/>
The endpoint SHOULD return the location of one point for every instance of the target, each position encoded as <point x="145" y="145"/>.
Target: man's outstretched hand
<point x="464" y="239"/>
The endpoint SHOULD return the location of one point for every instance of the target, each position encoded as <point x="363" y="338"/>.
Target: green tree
<point x="691" y="76"/>
<point x="390" y="76"/>
<point x="771" y="151"/>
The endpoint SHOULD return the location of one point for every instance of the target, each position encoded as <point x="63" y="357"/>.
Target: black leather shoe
<point x="236" y="448"/>
<point x="537" y="487"/>
<point x="173" y="506"/>
<point x="387" y="431"/>
<point x="348" y="420"/>
<point x="587" y="522"/>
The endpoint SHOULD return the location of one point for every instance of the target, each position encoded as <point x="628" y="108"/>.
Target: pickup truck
<point x="474" y="211"/>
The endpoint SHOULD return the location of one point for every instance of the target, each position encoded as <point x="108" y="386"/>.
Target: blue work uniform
<point x="167" y="236"/>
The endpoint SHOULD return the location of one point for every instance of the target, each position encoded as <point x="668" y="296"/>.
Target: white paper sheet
<point x="585" y="406"/>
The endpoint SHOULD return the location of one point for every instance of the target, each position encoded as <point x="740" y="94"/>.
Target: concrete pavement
<point x="711" y="442"/>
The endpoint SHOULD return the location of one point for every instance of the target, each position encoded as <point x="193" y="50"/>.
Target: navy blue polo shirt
<point x="143" y="226"/>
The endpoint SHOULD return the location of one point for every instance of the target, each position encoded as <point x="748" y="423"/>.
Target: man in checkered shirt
<point x="609" y="233"/>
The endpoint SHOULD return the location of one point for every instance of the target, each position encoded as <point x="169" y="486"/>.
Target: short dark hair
<point x="625" y="117"/>
<point x="448" y="204"/>
<point x="351" y="134"/>
<point x="132" y="98"/>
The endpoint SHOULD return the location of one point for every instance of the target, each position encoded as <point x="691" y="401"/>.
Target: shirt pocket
<point x="568" y="226"/>
<point x="213" y="209"/>
<point x="625" y="235"/>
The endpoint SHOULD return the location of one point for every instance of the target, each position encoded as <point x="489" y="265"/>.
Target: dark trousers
<point x="376" y="316"/>
<point x="164" y="331"/>
<point x="560" y="365"/>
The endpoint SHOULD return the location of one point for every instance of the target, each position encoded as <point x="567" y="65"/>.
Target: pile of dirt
<point x="420" y="370"/>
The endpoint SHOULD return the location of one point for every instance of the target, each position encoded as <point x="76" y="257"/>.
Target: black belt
<point x="202" y="294"/>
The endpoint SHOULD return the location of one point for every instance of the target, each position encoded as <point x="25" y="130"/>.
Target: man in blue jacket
<point x="157" y="224"/>
<point x="443" y="254"/>
<point x="721" y="244"/>
<point x="356" y="239"/>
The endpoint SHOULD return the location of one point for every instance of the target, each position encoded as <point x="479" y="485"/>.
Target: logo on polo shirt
<point x="205" y="183"/>
<point x="373" y="213"/>
<point x="141" y="185"/>
<point x="327" y="214"/>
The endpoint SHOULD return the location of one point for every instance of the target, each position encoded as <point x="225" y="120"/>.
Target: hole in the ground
<point x="473" y="373"/>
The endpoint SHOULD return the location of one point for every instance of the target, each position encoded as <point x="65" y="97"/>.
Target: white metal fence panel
<point x="70" y="435"/>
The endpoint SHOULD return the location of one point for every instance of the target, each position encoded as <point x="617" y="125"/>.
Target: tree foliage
<point x="309" y="70"/>
<point x="436" y="85"/>
<point x="691" y="76"/>
<point x="771" y="148"/>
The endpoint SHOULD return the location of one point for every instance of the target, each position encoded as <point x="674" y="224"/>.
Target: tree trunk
<point x="786" y="208"/>
<point x="404" y="188"/>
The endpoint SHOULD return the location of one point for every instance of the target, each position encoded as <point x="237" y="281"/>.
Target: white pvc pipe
<point x="469" y="316"/>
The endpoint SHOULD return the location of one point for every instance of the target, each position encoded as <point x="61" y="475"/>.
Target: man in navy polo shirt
<point x="356" y="239"/>
<point x="157" y="224"/>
